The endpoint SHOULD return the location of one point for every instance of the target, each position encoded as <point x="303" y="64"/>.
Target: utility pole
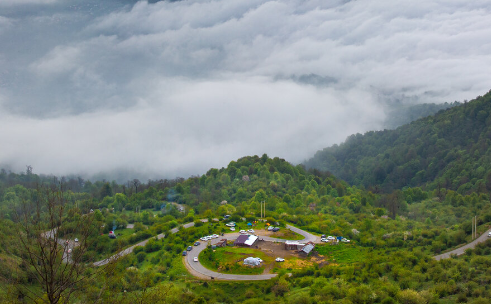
<point x="472" y="227"/>
<point x="263" y="207"/>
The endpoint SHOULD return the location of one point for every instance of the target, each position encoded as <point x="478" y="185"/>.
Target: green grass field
<point x="124" y="232"/>
<point x="342" y="253"/>
<point x="230" y="260"/>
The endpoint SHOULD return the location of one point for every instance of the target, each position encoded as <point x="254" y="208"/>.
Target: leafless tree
<point x="136" y="183"/>
<point x="56" y="264"/>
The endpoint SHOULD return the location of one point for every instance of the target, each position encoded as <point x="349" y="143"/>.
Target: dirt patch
<point x="275" y="249"/>
<point x="283" y="233"/>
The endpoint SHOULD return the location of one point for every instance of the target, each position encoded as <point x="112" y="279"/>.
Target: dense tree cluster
<point x="449" y="149"/>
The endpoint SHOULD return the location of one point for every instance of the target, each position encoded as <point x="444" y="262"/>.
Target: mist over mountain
<point x="449" y="149"/>
<point x="173" y="88"/>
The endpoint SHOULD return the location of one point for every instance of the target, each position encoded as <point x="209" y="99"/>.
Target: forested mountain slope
<point x="449" y="149"/>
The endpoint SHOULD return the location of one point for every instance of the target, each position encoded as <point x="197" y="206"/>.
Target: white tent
<point x="252" y="261"/>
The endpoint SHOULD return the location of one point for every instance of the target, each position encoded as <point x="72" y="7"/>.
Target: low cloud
<point x="177" y="135"/>
<point x="174" y="88"/>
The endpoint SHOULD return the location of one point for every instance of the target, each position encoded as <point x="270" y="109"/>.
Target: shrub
<point x="141" y="256"/>
<point x="410" y="296"/>
<point x="137" y="249"/>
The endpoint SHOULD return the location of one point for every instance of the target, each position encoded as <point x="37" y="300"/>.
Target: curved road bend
<point x="208" y="274"/>
<point x="200" y="271"/>
<point x="461" y="250"/>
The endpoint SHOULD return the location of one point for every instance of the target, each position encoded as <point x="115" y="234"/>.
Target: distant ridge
<point x="450" y="149"/>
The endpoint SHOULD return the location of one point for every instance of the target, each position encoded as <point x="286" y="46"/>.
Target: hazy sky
<point x="174" y="88"/>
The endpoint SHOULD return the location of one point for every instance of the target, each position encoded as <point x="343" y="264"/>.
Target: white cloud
<point x="173" y="88"/>
<point x="189" y="127"/>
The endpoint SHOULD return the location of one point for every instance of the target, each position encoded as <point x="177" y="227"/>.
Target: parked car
<point x="275" y="229"/>
<point x="76" y="240"/>
<point x="232" y="229"/>
<point x="345" y="240"/>
<point x="280" y="259"/>
<point x="250" y="231"/>
<point x="215" y="236"/>
<point x="195" y="259"/>
<point x="184" y="253"/>
<point x="197" y="244"/>
<point x="489" y="234"/>
<point x="231" y="224"/>
<point x="331" y="238"/>
<point x="323" y="236"/>
<point x="243" y="232"/>
<point x="270" y="228"/>
<point x="324" y="240"/>
<point x="203" y="238"/>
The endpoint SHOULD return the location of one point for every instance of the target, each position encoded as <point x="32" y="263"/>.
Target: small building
<point x="222" y="243"/>
<point x="307" y="248"/>
<point x="245" y="240"/>
<point x="293" y="245"/>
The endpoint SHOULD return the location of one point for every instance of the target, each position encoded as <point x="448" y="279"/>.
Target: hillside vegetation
<point x="388" y="261"/>
<point x="450" y="150"/>
<point x="394" y="235"/>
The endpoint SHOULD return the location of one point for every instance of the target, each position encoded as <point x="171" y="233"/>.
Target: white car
<point x="203" y="238"/>
<point x="324" y="240"/>
<point x="489" y="234"/>
<point x="250" y="231"/>
<point x="280" y="259"/>
<point x="345" y="240"/>
<point x="270" y="228"/>
<point x="76" y="240"/>
<point x="243" y="232"/>
<point x="331" y="238"/>
<point x="231" y="224"/>
<point x="215" y="236"/>
<point x="232" y="229"/>
<point x="195" y="259"/>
